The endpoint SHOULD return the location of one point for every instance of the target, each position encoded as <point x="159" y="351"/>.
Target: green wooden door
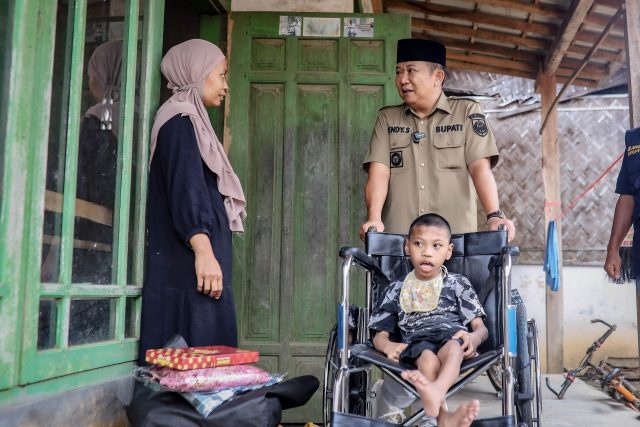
<point x="300" y="115"/>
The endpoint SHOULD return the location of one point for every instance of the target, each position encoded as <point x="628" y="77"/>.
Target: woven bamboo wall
<point x="591" y="136"/>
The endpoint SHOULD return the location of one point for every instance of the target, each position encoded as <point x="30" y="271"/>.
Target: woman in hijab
<point x="97" y="165"/>
<point x="195" y="202"/>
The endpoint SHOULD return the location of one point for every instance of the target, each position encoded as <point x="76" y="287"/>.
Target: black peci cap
<point x="421" y="50"/>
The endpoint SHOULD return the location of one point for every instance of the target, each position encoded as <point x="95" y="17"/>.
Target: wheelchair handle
<point x="372" y="229"/>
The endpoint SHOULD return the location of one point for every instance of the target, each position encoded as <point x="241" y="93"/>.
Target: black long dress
<point x="183" y="200"/>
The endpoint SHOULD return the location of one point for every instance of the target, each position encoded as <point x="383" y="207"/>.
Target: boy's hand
<point x="393" y="350"/>
<point x="467" y="345"/>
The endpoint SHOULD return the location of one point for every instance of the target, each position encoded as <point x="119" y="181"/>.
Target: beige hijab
<point x="186" y="67"/>
<point x="104" y="68"/>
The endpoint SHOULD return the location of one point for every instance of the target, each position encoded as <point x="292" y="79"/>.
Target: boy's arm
<point x="382" y="343"/>
<point x="472" y="340"/>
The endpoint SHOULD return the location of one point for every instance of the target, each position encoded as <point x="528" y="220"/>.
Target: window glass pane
<point x="91" y="320"/>
<point x="131" y="315"/>
<point x="98" y="144"/>
<point x="50" y="268"/>
<point x="47" y="318"/>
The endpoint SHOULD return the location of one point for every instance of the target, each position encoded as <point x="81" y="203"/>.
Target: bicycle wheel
<point x="524" y="394"/>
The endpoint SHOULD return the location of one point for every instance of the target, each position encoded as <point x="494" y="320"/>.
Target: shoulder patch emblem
<point x="478" y="124"/>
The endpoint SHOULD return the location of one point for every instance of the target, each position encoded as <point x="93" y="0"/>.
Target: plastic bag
<point x="209" y="379"/>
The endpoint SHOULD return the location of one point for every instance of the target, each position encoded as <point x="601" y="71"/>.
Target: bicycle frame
<point x="585" y="363"/>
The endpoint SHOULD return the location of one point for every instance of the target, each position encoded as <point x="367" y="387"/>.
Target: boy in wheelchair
<point x="432" y="309"/>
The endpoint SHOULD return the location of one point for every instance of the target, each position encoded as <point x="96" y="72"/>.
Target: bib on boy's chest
<point x="420" y="295"/>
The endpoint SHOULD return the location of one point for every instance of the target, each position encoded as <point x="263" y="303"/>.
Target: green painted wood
<point x="23" y="187"/>
<point x="149" y="99"/>
<point x="31" y="26"/>
<point x="60" y="362"/>
<point x="125" y="150"/>
<point x="57" y="385"/>
<point x="299" y="117"/>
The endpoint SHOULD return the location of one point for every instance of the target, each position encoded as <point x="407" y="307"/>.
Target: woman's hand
<point x="208" y="271"/>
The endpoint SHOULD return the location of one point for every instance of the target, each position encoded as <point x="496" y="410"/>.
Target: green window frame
<point x="29" y="77"/>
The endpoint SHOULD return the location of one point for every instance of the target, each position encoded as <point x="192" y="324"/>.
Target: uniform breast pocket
<point x="449" y="153"/>
<point x="398" y="153"/>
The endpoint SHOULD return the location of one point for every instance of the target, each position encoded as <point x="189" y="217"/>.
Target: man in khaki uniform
<point x="431" y="154"/>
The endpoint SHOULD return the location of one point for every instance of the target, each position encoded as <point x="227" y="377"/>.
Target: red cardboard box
<point x="200" y="357"/>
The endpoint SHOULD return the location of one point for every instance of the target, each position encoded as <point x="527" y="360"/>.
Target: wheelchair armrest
<point x="359" y="257"/>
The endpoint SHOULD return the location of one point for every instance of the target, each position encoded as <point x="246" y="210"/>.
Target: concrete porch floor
<point x="582" y="405"/>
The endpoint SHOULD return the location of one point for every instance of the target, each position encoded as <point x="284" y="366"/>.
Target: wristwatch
<point x="496" y="214"/>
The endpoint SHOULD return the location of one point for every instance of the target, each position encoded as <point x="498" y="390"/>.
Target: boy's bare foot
<point x="461" y="417"/>
<point x="431" y="396"/>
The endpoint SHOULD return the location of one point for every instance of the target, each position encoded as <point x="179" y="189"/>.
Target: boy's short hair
<point x="430" y="220"/>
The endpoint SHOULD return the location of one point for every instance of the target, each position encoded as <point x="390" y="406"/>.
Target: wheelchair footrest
<point x="505" y="421"/>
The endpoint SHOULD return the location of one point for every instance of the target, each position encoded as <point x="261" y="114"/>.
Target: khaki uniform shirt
<point x="431" y="175"/>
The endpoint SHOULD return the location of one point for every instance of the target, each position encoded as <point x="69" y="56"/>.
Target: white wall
<point x="587" y="295"/>
<point x="343" y="6"/>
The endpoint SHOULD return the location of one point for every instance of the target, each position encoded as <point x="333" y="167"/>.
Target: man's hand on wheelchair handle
<point x="495" y="223"/>
<point x="371" y="225"/>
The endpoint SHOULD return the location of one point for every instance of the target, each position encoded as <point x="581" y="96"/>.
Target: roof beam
<point x="570" y="26"/>
<point x="446" y="28"/>
<point x="619" y="13"/>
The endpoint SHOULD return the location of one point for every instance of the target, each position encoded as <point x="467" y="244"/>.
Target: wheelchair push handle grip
<point x="372" y="229"/>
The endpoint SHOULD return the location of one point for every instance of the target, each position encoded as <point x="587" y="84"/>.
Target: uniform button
<point x="421" y="122"/>
<point x="422" y="164"/>
<point x="422" y="187"/>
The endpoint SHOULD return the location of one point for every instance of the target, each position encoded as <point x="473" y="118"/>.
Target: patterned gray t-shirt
<point x="458" y="305"/>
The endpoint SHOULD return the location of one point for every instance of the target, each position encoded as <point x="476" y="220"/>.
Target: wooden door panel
<point x="262" y="287"/>
<point x="316" y="208"/>
<point x="299" y="117"/>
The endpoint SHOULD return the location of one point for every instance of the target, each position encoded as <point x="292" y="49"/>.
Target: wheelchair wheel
<point x="330" y="368"/>
<point x="524" y="392"/>
<point x="357" y="387"/>
<point x="532" y="334"/>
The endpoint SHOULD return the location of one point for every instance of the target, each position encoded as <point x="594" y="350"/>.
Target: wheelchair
<point x="509" y="355"/>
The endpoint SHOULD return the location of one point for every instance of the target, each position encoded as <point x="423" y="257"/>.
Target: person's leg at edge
<point x="432" y="393"/>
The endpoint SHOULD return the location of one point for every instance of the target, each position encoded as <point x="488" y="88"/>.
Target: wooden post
<point x="553" y="210"/>
<point x="633" y="73"/>
<point x="633" y="60"/>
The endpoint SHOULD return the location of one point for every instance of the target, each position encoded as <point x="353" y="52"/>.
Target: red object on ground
<point x="200" y="357"/>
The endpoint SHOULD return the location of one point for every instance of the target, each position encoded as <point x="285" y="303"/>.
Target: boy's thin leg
<point x="445" y="375"/>
<point x="429" y="364"/>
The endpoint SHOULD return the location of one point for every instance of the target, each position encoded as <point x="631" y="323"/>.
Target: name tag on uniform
<point x="398" y="129"/>
<point x="449" y="128"/>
